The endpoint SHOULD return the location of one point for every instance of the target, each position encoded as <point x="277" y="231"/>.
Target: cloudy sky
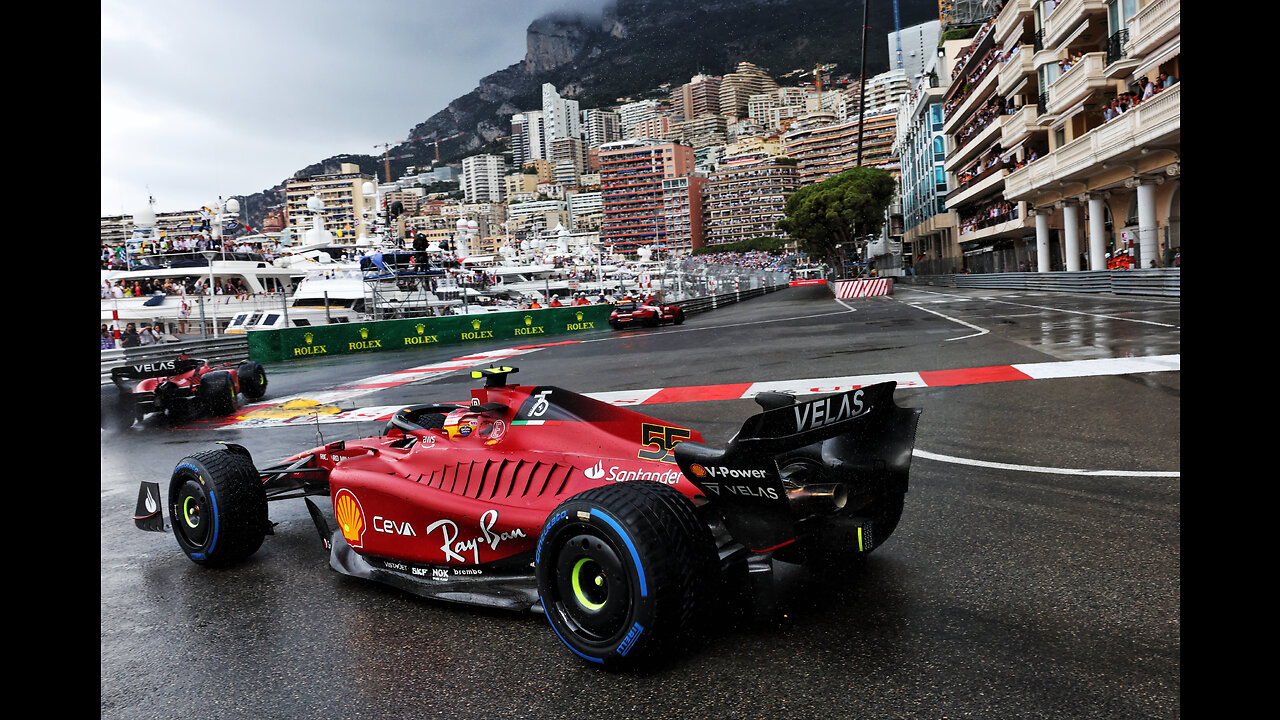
<point x="205" y="101"/>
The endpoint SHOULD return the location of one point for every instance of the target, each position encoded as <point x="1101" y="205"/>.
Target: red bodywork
<point x="436" y="497"/>
<point x="647" y="313"/>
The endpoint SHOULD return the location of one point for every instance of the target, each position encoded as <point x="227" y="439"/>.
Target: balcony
<point x="1083" y="79"/>
<point x="1019" y="66"/>
<point x="1011" y="18"/>
<point x="1016" y="127"/>
<point x="1153" y="122"/>
<point x="1156" y="23"/>
<point x="1068" y="16"/>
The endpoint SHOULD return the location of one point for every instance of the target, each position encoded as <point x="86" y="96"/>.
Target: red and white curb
<point x="266" y="415"/>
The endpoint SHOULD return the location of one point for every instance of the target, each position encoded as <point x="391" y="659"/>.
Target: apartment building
<point x="824" y="147"/>
<point x="631" y="175"/>
<point x="601" y="126"/>
<point x="344" y="201"/>
<point x="528" y="137"/>
<point x="737" y="87"/>
<point x="1045" y="177"/>
<point x="1109" y="183"/>
<point x="586" y="211"/>
<point x="682" y="213"/>
<point x="929" y="239"/>
<point x="746" y="198"/>
<point x="482" y="178"/>
<point x="700" y="96"/>
<point x="700" y="132"/>
<point x="632" y="113"/>
<point x="560" y="116"/>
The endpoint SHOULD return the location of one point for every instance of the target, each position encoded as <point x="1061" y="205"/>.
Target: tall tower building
<point x="527" y="138"/>
<point x="631" y="187"/>
<point x="601" y="126"/>
<point x="737" y="87"/>
<point x="482" y="178"/>
<point x="700" y="96"/>
<point x="560" y="118"/>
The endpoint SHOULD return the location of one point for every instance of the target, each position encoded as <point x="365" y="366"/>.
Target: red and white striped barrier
<point x="846" y="289"/>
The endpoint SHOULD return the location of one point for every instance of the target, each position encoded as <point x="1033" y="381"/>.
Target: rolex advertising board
<point x="360" y="337"/>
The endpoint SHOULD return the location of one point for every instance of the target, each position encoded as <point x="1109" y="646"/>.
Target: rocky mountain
<point x="629" y="51"/>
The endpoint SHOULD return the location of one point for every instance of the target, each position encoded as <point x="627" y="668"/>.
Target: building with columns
<point x="1047" y="174"/>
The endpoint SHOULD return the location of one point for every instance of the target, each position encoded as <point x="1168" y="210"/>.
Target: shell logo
<point x="350" y="516"/>
<point x="364" y="333"/>
<point x="698" y="470"/>
<point x="308" y="337"/>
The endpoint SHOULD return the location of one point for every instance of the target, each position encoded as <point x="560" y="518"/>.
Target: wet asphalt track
<point x="1004" y="592"/>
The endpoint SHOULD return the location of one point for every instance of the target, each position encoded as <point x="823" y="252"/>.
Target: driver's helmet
<point x="461" y="423"/>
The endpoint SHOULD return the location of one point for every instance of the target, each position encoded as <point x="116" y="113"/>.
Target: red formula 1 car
<point x="182" y="387"/>
<point x="649" y="313"/>
<point x="618" y="526"/>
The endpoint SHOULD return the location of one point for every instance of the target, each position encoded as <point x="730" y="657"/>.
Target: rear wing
<point x="127" y="376"/>
<point x="862" y="431"/>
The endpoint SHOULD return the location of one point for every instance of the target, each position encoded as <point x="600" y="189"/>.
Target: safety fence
<point x="1166" y="282"/>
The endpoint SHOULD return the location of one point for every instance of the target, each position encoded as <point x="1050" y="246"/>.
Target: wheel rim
<point x="192" y="516"/>
<point x="593" y="588"/>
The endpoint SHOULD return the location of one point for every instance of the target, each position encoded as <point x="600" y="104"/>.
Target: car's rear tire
<point x="218" y="507"/>
<point x="218" y="393"/>
<point x="679" y="317"/>
<point x="622" y="569"/>
<point x="253" y="379"/>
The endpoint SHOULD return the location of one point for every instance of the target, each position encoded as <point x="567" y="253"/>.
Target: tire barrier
<point x="873" y="287"/>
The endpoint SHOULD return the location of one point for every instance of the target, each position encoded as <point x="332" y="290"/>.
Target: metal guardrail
<point x="707" y="303"/>
<point x="221" y="350"/>
<point x="1166" y="282"/>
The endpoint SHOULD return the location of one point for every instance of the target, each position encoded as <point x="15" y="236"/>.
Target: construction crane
<point x="386" y="150"/>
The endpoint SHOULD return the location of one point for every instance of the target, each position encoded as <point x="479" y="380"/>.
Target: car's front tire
<point x="218" y="507"/>
<point x="621" y="571"/>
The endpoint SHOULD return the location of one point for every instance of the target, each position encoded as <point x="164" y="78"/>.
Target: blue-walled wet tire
<point x="620" y="571"/>
<point x="218" y="507"/>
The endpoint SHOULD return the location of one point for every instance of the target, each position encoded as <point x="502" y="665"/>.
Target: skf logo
<point x="350" y="516"/>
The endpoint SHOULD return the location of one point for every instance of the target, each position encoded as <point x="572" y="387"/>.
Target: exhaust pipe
<point x="818" y="499"/>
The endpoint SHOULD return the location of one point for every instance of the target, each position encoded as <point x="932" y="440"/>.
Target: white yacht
<point x="262" y="286"/>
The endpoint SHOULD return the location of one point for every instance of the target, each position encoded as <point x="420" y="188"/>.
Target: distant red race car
<point x="628" y="312"/>
<point x="617" y="525"/>
<point x="182" y="388"/>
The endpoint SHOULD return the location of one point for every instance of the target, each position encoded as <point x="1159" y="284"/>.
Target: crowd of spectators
<point x="754" y="259"/>
<point x="116" y="257"/>
<point x="989" y="214"/>
<point x="1146" y="89"/>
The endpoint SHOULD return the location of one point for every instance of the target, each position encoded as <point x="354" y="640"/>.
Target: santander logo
<point x="595" y="473"/>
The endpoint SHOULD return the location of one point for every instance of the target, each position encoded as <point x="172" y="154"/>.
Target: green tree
<point x="822" y="216"/>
